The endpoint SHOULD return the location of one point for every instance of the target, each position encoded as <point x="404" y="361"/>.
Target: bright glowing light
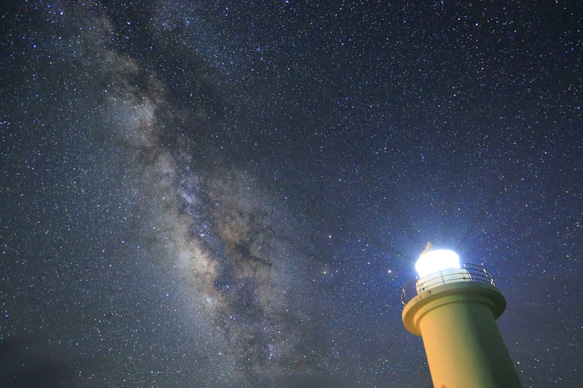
<point x="432" y="261"/>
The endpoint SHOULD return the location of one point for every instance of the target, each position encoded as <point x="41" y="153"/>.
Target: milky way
<point x="225" y="241"/>
<point x="205" y="222"/>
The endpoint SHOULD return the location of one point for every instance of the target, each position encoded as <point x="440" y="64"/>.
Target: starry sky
<point x="232" y="193"/>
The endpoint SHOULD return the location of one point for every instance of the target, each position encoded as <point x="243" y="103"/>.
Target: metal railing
<point x="467" y="273"/>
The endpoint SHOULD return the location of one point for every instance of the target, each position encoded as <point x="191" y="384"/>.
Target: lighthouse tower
<point x="454" y="308"/>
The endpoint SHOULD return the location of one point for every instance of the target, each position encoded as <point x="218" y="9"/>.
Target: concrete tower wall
<point x="463" y="344"/>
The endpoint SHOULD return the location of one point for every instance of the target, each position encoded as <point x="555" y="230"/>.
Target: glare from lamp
<point x="435" y="261"/>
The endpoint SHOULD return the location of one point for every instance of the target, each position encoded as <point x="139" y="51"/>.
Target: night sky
<point x="232" y="193"/>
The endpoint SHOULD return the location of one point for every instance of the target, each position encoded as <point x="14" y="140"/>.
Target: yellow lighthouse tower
<point x="454" y="308"/>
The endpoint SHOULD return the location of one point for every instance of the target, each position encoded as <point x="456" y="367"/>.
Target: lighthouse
<point x="453" y="307"/>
